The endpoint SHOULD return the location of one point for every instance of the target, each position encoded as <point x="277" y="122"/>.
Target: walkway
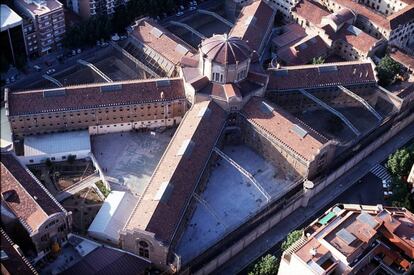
<point x="53" y="80"/>
<point x="187" y="27"/>
<point x="244" y="172"/>
<point x="332" y="110"/>
<point x="87" y="182"/>
<point x="362" y="101"/>
<point x="95" y="69"/>
<point x="225" y="21"/>
<point x="304" y="216"/>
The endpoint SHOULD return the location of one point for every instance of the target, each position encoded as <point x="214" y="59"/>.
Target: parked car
<point x="180" y="13"/>
<point x="387" y="194"/>
<point x="193" y="3"/>
<point x="50" y="71"/>
<point x="37" y="68"/>
<point x="123" y="37"/>
<point x="79" y="51"/>
<point x="192" y="8"/>
<point x="73" y="52"/>
<point x="386" y="184"/>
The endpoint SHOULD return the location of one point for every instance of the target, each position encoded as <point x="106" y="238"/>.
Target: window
<point x="143" y="249"/>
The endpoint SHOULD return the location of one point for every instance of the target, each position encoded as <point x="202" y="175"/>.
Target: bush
<point x="291" y="238"/>
<point x="101" y="186"/>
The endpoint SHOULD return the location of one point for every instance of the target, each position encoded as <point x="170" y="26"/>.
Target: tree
<point x="400" y="163"/>
<point x="268" y="265"/>
<point x="318" y="60"/>
<point x="387" y="69"/>
<point x="291" y="238"/>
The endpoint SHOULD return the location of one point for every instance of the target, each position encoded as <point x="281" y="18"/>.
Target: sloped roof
<point x="24" y="195"/>
<point x="95" y="95"/>
<point x="304" y="51"/>
<point x="280" y="124"/>
<point x="311" y="11"/>
<point x="108" y="261"/>
<point x="164" y="202"/>
<point x="252" y="24"/>
<point x="165" y="43"/>
<point x="224" y="49"/>
<point x="313" y="76"/>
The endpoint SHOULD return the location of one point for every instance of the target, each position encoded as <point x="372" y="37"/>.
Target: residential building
<point x="48" y="23"/>
<point x="354" y="239"/>
<point x="89" y="8"/>
<point x="38" y="215"/>
<point x="11" y="36"/>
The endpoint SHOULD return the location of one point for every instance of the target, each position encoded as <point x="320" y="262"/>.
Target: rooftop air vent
<point x="266" y="108"/>
<point x="299" y="131"/>
<point x="156" y="32"/>
<point x="163" y="83"/>
<point x="111" y="88"/>
<point x="54" y="92"/>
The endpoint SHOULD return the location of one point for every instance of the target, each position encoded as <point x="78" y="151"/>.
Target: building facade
<point x="48" y="24"/>
<point x="40" y="215"/>
<point x="99" y="108"/>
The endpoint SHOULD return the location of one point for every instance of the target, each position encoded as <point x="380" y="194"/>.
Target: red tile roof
<point x="362" y="41"/>
<point x="178" y="172"/>
<point x="161" y="40"/>
<point x="91" y="96"/>
<point x="292" y="34"/>
<point x="15" y="263"/>
<point x="311" y="11"/>
<point x="403" y="58"/>
<point x="304" y="51"/>
<point x="254" y="20"/>
<point x="279" y="124"/>
<point x="108" y="261"/>
<point x="313" y="76"/>
<point x="224" y="49"/>
<point x="389" y="23"/>
<point x="24" y="195"/>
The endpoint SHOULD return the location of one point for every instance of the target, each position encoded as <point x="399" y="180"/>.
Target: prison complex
<point x="219" y="94"/>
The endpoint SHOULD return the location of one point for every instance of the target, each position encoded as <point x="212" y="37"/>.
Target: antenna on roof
<point x="162" y="95"/>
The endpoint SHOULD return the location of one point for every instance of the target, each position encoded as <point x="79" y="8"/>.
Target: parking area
<point x="129" y="159"/>
<point x="230" y="198"/>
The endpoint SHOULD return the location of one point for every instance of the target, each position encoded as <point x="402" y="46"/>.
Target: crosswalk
<point x="381" y="172"/>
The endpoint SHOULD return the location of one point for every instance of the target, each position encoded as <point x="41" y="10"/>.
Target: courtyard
<point x="231" y="197"/>
<point x="129" y="159"/>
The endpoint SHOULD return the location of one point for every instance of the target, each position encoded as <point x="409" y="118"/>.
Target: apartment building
<point x="354" y="239"/>
<point x="88" y="8"/>
<point x="48" y="24"/>
<point x="99" y="108"/>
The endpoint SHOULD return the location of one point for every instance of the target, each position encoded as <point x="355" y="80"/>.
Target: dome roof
<point x="225" y="50"/>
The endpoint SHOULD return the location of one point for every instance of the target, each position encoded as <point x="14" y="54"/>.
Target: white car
<point x="79" y="51"/>
<point x="386" y="184"/>
<point x="192" y="8"/>
<point x="180" y="13"/>
<point x="37" y="68"/>
<point x="193" y="3"/>
<point x="50" y="71"/>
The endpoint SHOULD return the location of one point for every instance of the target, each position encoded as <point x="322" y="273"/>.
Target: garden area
<point x="84" y="206"/>
<point x="58" y="176"/>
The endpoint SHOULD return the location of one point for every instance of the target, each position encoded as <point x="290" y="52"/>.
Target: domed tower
<point x="224" y="59"/>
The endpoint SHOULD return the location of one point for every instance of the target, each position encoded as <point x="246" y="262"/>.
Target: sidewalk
<point x="303" y="216"/>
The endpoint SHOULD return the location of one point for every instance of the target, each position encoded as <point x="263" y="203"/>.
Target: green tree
<point x="268" y="265"/>
<point x="387" y="69"/>
<point x="318" y="60"/>
<point x="291" y="238"/>
<point x="400" y="163"/>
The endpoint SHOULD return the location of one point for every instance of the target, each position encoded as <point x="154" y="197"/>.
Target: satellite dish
<point x="309" y="184"/>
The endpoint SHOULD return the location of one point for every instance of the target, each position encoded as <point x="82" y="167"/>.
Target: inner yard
<point x="240" y="185"/>
<point x="128" y="159"/>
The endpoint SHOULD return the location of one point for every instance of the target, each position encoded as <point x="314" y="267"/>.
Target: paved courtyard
<point x="230" y="198"/>
<point x="130" y="158"/>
